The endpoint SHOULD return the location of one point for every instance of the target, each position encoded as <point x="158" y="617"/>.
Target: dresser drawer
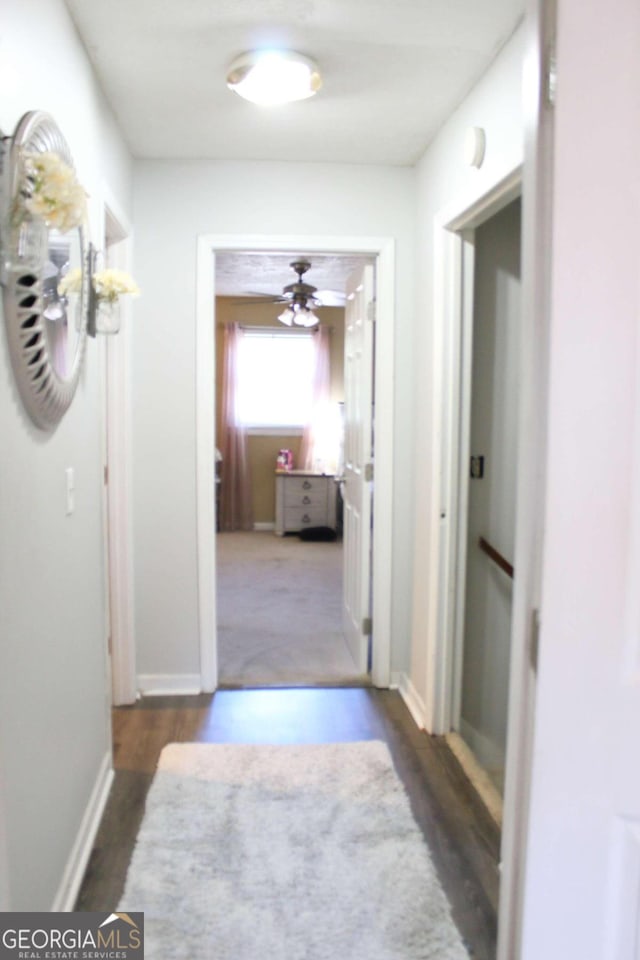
<point x="305" y="498"/>
<point x="296" y="518"/>
<point x="296" y="489"/>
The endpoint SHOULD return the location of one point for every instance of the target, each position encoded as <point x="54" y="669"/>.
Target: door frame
<point x="116" y="365"/>
<point x="383" y="249"/>
<point x="455" y="262"/>
<point x="455" y="266"/>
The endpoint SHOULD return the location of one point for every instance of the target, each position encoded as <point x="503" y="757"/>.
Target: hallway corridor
<point x="463" y="840"/>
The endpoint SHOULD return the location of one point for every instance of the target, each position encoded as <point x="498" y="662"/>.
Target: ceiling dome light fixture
<point x="269" y="77"/>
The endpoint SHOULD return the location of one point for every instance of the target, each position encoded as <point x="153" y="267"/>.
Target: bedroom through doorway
<point x="280" y="556"/>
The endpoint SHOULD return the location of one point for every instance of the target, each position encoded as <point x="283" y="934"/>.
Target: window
<point x="275" y="378"/>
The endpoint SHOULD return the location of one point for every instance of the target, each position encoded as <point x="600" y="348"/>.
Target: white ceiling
<point x="393" y="71"/>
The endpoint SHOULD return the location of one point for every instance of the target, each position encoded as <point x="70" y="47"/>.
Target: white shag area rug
<point x="287" y="853"/>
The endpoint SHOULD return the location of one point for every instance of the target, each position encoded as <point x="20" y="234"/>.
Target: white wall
<point x="54" y="730"/>
<point x="173" y="204"/>
<point x="446" y="182"/>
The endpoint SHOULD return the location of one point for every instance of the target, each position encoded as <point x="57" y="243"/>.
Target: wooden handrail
<point x="497" y="558"/>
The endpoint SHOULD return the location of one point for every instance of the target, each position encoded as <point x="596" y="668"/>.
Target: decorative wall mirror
<point x="45" y="268"/>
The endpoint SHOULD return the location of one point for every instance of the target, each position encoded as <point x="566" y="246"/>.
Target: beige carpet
<point x="280" y="611"/>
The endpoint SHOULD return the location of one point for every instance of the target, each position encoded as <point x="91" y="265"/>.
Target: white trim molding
<point x="205" y="461"/>
<point x="383" y="248"/>
<point x="169" y="684"/>
<point x="414" y="702"/>
<point x="263" y="526"/>
<point x="120" y="558"/>
<point x="488" y="754"/>
<point x="76" y="865"/>
<point x="532" y="460"/>
<point x="478" y="776"/>
<point x="453" y="313"/>
<point x="117" y="420"/>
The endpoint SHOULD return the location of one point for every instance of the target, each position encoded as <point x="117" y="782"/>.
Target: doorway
<point x="488" y="460"/>
<point x="382" y="249"/>
<point x="281" y="616"/>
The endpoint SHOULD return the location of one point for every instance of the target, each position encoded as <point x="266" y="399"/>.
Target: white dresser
<point x="303" y="500"/>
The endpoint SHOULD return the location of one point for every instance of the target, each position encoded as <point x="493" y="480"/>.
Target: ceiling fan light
<point x="269" y="77"/>
<point x="306" y="318"/>
<point x="287" y="316"/>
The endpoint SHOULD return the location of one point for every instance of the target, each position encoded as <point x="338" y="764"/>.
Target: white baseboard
<point x="74" y="870"/>
<point x="478" y="776"/>
<point x="168" y="684"/>
<point x="264" y="526"/>
<point x="413" y="700"/>
<point x="488" y="753"/>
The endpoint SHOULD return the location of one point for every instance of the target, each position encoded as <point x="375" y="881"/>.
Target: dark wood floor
<point x="463" y="839"/>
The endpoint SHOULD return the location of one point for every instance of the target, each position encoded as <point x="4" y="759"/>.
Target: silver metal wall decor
<point x="46" y="328"/>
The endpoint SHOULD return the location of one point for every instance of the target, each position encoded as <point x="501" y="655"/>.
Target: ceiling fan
<point x="302" y="299"/>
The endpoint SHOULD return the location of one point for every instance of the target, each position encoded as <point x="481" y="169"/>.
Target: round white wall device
<point x="475" y="146"/>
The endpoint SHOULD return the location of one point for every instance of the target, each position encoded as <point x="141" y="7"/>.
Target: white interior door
<point x="358" y="463"/>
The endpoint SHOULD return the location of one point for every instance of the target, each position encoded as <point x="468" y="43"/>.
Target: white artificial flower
<point x="54" y="193"/>
<point x="111" y="284"/>
<point x="71" y="282"/>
